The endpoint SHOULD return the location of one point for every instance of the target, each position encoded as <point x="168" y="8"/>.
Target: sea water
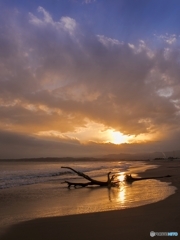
<point x="33" y="189"/>
<point x="19" y="173"/>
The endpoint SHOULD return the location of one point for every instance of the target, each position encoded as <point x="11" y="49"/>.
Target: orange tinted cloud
<point x="57" y="77"/>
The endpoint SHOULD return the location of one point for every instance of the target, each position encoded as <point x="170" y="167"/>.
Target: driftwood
<point x="111" y="180"/>
<point x="130" y="179"/>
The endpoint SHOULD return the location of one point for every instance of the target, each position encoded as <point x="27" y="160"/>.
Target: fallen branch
<point x="130" y="179"/>
<point x="111" y="180"/>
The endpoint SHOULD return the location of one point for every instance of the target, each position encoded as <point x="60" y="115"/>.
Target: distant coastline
<point x="169" y="155"/>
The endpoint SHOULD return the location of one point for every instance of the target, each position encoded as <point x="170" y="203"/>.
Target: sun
<point x="118" y="138"/>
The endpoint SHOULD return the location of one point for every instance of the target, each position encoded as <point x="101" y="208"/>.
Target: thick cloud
<point x="54" y="76"/>
<point x="16" y="145"/>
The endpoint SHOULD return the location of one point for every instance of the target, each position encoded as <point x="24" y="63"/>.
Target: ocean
<point x="33" y="189"/>
<point x="27" y="172"/>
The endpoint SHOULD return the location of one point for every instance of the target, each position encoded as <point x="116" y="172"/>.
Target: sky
<point x="89" y="77"/>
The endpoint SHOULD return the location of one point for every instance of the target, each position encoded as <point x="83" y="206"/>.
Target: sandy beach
<point x="132" y="223"/>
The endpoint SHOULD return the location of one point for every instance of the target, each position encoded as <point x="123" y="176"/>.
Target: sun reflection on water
<point x="122" y="195"/>
<point x="121" y="177"/>
<point x="122" y="191"/>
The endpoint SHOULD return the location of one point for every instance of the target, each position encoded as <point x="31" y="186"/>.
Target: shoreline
<point x="132" y="223"/>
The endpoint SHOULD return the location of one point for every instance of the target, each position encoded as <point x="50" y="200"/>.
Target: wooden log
<point x="109" y="183"/>
<point x="130" y="179"/>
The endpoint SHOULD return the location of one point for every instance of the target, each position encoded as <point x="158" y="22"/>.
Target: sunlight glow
<point x="121" y="177"/>
<point x="118" y="138"/>
<point x="122" y="192"/>
<point x="122" y="195"/>
<point x="89" y="133"/>
<point x="92" y="131"/>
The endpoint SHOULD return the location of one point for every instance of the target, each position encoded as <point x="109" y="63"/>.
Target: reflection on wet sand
<point x="49" y="199"/>
<point x="131" y="195"/>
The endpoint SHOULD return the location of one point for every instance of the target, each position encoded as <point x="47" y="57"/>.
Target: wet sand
<point x="133" y="223"/>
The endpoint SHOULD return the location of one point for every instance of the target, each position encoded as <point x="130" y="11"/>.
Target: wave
<point x="17" y="178"/>
<point x="28" y="179"/>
